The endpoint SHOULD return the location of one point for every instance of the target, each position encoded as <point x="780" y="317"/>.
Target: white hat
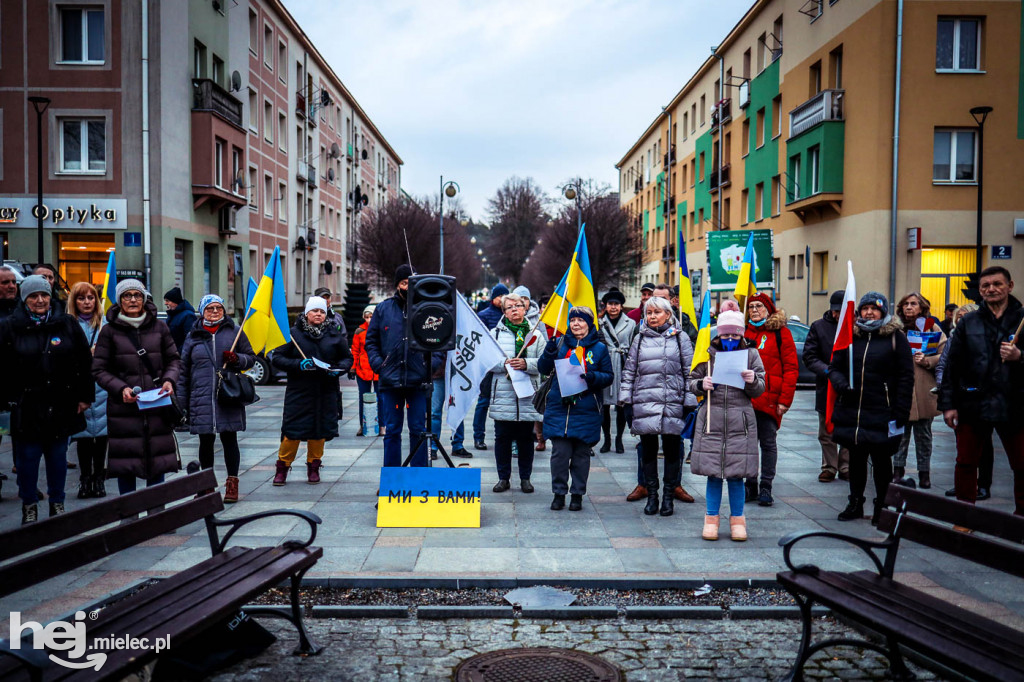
<point x="315" y="303"/>
<point x="521" y="291"/>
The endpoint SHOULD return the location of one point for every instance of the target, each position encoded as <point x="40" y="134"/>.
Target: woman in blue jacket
<point x="573" y="423"/>
<point x="84" y="306"/>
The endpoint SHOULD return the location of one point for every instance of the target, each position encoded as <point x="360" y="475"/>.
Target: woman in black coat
<point x="46" y="362"/>
<point x="311" y="400"/>
<point x="871" y="412"/>
<point x="207" y="349"/>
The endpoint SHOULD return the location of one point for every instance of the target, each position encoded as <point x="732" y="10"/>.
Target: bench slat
<point x="992" y="522"/>
<point x="981" y="550"/>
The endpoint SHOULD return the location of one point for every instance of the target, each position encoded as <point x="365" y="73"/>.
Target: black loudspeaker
<point x="431" y="317"/>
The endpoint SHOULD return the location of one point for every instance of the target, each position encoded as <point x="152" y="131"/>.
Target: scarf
<point x="131" y="321"/>
<point x="212" y="327"/>
<point x="870" y="326"/>
<point x="663" y="328"/>
<point x="314" y="330"/>
<point x="39" y="319"/>
<point x="520" y="330"/>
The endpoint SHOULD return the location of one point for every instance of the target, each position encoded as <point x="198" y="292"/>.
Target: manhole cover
<point x="538" y="664"/>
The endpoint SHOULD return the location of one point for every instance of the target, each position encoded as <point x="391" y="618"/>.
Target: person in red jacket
<point x="365" y="378"/>
<point x="766" y="329"/>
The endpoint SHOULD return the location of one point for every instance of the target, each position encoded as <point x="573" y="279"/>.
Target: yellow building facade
<point x="791" y="125"/>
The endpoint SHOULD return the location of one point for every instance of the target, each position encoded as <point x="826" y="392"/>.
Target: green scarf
<point x="520" y="330"/>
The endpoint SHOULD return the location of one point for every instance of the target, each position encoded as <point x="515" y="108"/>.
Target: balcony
<point x="208" y="96"/>
<point x="827" y="105"/>
<point x="744" y="94"/>
<point x="722" y="112"/>
<point x="300" y="105"/>
<point x="669" y="157"/>
<point x="348" y="151"/>
<point x="713" y="178"/>
<point x="668" y="253"/>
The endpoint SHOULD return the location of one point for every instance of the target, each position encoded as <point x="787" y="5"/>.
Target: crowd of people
<point x="76" y="375"/>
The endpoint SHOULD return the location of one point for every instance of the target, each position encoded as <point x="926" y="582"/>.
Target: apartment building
<point x="192" y="137"/>
<point x="790" y="125"/>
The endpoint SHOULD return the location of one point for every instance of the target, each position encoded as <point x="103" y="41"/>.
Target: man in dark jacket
<point x="181" y="316"/>
<point x="637" y="313"/>
<point x="490" y="316"/>
<point x="817" y="356"/>
<point x="983" y="384"/>
<point x="8" y="291"/>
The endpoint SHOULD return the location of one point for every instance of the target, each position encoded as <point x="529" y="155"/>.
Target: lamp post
<point x="449" y="189"/>
<point x="40" y="104"/>
<point x="979" y="114"/>
<point x="572" y="192"/>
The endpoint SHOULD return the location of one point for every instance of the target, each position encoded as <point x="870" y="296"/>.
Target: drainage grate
<point x="538" y="664"/>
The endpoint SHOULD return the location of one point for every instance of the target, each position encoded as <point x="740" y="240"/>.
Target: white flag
<point x="475" y="354"/>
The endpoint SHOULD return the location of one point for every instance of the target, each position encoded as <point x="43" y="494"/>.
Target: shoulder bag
<point x="540" y="397"/>
<point x="175" y="411"/>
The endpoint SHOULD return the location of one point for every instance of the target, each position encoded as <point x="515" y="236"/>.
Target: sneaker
<point x="479" y="445"/>
<point x="764" y="497"/>
<point x="56" y="508"/>
<point x="462" y="452"/>
<point x="826" y="476"/>
<point x="29" y="513"/>
<point x="983" y="494"/>
<point x="231" y="490"/>
<point x="501" y="486"/>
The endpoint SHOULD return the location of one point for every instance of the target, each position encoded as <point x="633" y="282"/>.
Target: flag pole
<point x="539" y="316"/>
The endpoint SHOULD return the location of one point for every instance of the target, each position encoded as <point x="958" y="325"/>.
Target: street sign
<point x="725" y="253"/>
<point x="1002" y="252"/>
<point x="913" y="238"/>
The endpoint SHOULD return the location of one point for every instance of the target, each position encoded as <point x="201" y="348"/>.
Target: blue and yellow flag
<point x="266" y="318"/>
<point x="746" y="283"/>
<point x="250" y="292"/>
<point x="700" y="350"/>
<point x="576" y="288"/>
<point x="428" y="497"/>
<point x="109" y="298"/>
<point x="685" y="290"/>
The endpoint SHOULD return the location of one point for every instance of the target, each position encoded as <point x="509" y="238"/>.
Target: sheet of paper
<point x="520" y="382"/>
<point x="894" y="430"/>
<point x="570" y="377"/>
<point x="727" y="368"/>
<point x="321" y="364"/>
<point x="149" y="400"/>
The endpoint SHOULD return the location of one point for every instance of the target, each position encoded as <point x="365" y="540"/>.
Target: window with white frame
<point x="958" y="44"/>
<point x="218" y="164"/>
<point x="82" y="35"/>
<point x="236" y="168"/>
<point x="954" y="157"/>
<point x="253" y="199"/>
<point x="254" y="31"/>
<point x="254" y="110"/>
<point x="268" y="195"/>
<point x="268" y="121"/>
<point x="814" y="163"/>
<point x="83" y="145"/>
<point x="282" y="201"/>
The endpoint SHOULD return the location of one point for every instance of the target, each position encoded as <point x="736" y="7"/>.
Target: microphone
<point x="136" y="390"/>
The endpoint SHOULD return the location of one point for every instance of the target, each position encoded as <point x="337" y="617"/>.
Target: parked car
<point x="263" y="372"/>
<point x="799" y="330"/>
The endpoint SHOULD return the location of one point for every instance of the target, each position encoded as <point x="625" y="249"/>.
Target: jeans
<point x="232" y="456"/>
<point x="922" y="429"/>
<point x="670" y="446"/>
<point x="92" y="456"/>
<point x="480" y="415"/>
<point x="127" y="484"/>
<point x="767" y="435"/>
<point x="436" y="409"/>
<point x="27" y="454"/>
<point x="881" y="463"/>
<point x="970" y="444"/>
<point x="713" y="493"/>
<point x="505" y="433"/>
<point x="365" y="387"/>
<point x="393" y="403"/>
<point x="569" y="456"/>
<point x="834" y="457"/>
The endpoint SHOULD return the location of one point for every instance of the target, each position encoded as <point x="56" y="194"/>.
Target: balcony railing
<point x="723" y="113"/>
<point x="668" y="253"/>
<point x="208" y="96"/>
<point x="300" y="105"/>
<point x="827" y="105"/>
<point x="725" y="175"/>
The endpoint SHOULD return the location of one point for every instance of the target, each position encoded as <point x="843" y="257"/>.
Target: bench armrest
<point x="869" y="547"/>
<point x="218" y="546"/>
<point x="34" y="660"/>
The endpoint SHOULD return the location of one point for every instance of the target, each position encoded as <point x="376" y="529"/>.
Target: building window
<point x="83" y="146"/>
<point x="777" y="115"/>
<point x="253" y="199"/>
<point x="958" y="45"/>
<point x="702" y="166"/>
<point x="686" y="120"/>
<point x="814" y="79"/>
<point x="835" y="68"/>
<point x="762" y="45"/>
<point x="268" y="193"/>
<point x="703" y="110"/>
<point x="282" y="60"/>
<point x="217" y="73"/>
<point x="236" y="170"/>
<point x="282" y="211"/>
<point x="760" y="127"/>
<point x="268" y="47"/>
<point x="814" y="161"/>
<point x="745" y="206"/>
<point x="759" y="201"/>
<point x="218" y="164"/>
<point x="82" y="34"/>
<point x="693" y="118"/>
<point x="800" y="266"/>
<point x="254" y="31"/>
<point x="820" y="284"/>
<point x="198" y="60"/>
<point x="792" y="268"/>
<point x="777" y="195"/>
<point x="254" y="111"/>
<point x="282" y="131"/>
<point x="268" y="121"/>
<point x="954" y="157"/>
<point x="745" y="137"/>
<point x="793" y="191"/>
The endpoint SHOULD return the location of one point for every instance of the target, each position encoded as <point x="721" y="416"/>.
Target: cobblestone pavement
<point x="390" y="650"/>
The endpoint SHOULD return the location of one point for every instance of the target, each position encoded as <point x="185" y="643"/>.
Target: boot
<point x="558" y="503"/>
<point x="898" y="473"/>
<point x="639" y="493"/>
<point x="56" y="508"/>
<point x="281" y="473"/>
<point x="29" y="513"/>
<point x="667" y="502"/>
<point x="854" y="510"/>
<point x="607" y="446"/>
<point x="85" y="488"/>
<point x="313" y="472"/>
<point x="738" y="528"/>
<point x="231" y="489"/>
<point x="652" y="500"/>
<point x="764" y="498"/>
<point x="877" y="511"/>
<point x="926" y="480"/>
<point x="575" y="502"/>
<point x="501" y="486"/>
<point x="619" y="447"/>
<point x="99" y="485"/>
<point x="710" y="531"/>
<point x="751" y="490"/>
<point x="525" y="485"/>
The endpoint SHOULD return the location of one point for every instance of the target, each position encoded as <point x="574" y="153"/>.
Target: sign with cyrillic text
<point x="428" y="497"/>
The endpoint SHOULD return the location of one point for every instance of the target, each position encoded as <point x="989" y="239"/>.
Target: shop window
<point x="83" y="257"/>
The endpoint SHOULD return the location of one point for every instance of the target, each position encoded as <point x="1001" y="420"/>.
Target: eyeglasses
<point x="134" y="296"/>
<point x="514" y="305"/>
<point x="756" y="306"/>
<point x="214" y="307"/>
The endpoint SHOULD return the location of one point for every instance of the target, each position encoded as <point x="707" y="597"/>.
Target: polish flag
<point x="844" y="339"/>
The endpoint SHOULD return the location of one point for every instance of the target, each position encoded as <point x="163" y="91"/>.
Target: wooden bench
<point x="957" y="638"/>
<point x="179" y="607"/>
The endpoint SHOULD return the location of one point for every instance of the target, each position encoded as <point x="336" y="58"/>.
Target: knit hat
<point x="835" y="301"/>
<point x="322" y="292"/>
<point x="731" y="322"/>
<point x="315" y="303"/>
<point x="174" y="296"/>
<point x="871" y="298"/>
<point x="649" y="286"/>
<point x="766" y="300"/>
<point x="403" y="271"/>
<point x="369" y="309"/>
<point x="34" y="284"/>
<point x="729" y="304"/>
<point x="582" y="312"/>
<point x="498" y="290"/>
<point x="207" y="300"/>
<point x="521" y="291"/>
<point x="126" y="285"/>
<point x="613" y="296"/>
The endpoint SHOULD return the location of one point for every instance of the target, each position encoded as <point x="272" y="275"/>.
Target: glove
<point x="351" y="376"/>
<point x="230" y="357"/>
<point x="307" y="365"/>
<point x="334" y="372"/>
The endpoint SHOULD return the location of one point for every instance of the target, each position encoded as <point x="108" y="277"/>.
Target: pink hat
<point x="731" y="322"/>
<point x="729" y="304"/>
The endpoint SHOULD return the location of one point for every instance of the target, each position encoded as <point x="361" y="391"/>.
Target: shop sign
<point x="65" y="213"/>
<point x="725" y="251"/>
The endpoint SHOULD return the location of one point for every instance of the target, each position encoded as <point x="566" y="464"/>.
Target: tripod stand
<point x="428" y="437"/>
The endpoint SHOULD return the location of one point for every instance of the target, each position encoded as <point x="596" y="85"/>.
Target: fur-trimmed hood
<point x="776" y="320"/>
<point x="887" y="329"/>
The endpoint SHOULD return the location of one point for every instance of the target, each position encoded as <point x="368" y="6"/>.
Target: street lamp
<point x="40" y="104"/>
<point x="449" y="189"/>
<point x="572" y="192"/>
<point x="979" y="114"/>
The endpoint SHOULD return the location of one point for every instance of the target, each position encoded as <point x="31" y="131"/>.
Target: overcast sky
<point x="482" y="90"/>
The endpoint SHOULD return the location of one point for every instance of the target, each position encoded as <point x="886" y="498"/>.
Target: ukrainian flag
<point x="700" y="351"/>
<point x="685" y="290"/>
<point x="428" y="497"/>
<point x="576" y="288"/>
<point x="266" y="318"/>
<point x="109" y="298"/>
<point x="250" y="292"/>
<point x="746" y="283"/>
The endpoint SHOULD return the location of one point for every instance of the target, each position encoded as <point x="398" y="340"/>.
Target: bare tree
<point x="517" y="214"/>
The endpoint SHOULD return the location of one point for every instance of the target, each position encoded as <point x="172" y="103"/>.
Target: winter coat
<point x="95" y="414"/>
<point x="7" y="307"/>
<point x="311" y="399"/>
<point x="505" y="405"/>
<point x="818" y="355"/>
<point x="654" y="380"/>
<point x="201" y="359"/>
<point x="142" y="442"/>
<point x="976" y="382"/>
<point x="636" y="314"/>
<point x="490" y="316"/>
<point x="579" y="419"/>
<point x="778" y="354"/>
<point x="686" y="325"/>
<point x="46" y="375"/>
<point x="728" y="447"/>
<point x="387" y="347"/>
<point x="360" y="360"/>
<point x="925" y="403"/>
<point x="883" y="387"/>
<point x="616" y="336"/>
<point x="180" y="321"/>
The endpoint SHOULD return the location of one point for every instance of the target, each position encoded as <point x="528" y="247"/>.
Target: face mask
<point x="759" y="323"/>
<point x="730" y="344"/>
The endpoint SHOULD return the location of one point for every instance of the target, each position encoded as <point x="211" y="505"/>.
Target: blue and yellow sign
<point x="428" y="497"/>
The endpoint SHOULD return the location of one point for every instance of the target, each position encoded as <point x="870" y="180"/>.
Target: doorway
<point x="83" y="257"/>
<point x="944" y="274"/>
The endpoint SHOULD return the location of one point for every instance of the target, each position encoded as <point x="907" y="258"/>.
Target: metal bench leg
<point x="897" y="666"/>
<point x="796" y="673"/>
<point x="306" y="645"/>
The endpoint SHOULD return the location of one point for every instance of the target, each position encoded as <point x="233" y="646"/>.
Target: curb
<point x="360" y="612"/>
<point x="443" y="583"/>
<point x="772" y="612"/>
<point x="572" y="612"/>
<point x="442" y="612"/>
<point x="666" y="612"/>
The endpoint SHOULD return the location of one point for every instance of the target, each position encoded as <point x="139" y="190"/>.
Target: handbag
<point x="235" y="389"/>
<point x="540" y="396"/>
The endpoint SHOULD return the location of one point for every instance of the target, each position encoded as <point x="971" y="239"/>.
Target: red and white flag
<point x="844" y="338"/>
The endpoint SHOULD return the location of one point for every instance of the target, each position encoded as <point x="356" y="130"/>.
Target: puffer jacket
<point x="201" y="359"/>
<point x="142" y="442"/>
<point x="387" y="348"/>
<point x="490" y="315"/>
<point x="180" y="321"/>
<point x="46" y="375"/>
<point x="617" y="336"/>
<point x="505" y="405"/>
<point x="727" y="446"/>
<point x="882" y="389"/>
<point x="925" y="403"/>
<point x="778" y="355"/>
<point x="817" y="355"/>
<point x="976" y="382"/>
<point x="580" y="416"/>
<point x="96" y="414"/>
<point x="654" y="380"/>
<point x="360" y="360"/>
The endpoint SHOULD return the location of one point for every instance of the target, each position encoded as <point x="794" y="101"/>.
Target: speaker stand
<point x="428" y="437"/>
